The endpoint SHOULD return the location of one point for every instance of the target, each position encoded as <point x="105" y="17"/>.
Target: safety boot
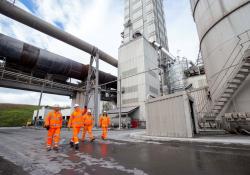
<point x="77" y="146"/>
<point x="48" y="148"/>
<point x="56" y="148"/>
<point x="71" y="144"/>
<point x="92" y="140"/>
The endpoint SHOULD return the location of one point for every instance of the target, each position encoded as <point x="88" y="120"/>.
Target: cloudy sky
<point x="98" y="22"/>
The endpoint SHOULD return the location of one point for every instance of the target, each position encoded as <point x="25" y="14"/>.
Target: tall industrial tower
<point x="144" y="23"/>
<point x="146" y="17"/>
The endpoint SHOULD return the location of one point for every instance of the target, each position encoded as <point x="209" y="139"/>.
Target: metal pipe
<point x="28" y="58"/>
<point x="18" y="14"/>
<point x="164" y="50"/>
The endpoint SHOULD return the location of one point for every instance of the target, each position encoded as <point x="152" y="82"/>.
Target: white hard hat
<point x="76" y="105"/>
<point x="104" y="111"/>
<point x="89" y="111"/>
<point x="56" y="106"/>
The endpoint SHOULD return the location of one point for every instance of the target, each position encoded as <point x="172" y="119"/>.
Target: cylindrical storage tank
<point x="177" y="78"/>
<point x="224" y="31"/>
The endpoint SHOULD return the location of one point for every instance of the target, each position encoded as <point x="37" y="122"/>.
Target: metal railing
<point x="28" y="79"/>
<point x="229" y="70"/>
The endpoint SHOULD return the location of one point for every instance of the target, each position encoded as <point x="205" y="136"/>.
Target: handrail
<point x="207" y="108"/>
<point x="238" y="44"/>
<point x="52" y="83"/>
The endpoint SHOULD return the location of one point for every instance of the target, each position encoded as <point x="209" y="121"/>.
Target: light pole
<point x="39" y="105"/>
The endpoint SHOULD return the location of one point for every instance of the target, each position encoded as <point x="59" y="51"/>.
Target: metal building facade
<point x="135" y="59"/>
<point x="147" y="17"/>
<point x="170" y="116"/>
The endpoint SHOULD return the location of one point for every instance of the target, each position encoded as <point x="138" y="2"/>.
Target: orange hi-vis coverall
<point x="76" y="122"/>
<point x="54" y="121"/>
<point x="104" y="123"/>
<point x="88" y="120"/>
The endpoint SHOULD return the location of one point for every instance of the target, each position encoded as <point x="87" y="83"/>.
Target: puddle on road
<point x="91" y="158"/>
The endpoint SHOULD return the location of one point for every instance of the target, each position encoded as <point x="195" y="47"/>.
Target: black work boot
<point x="56" y="148"/>
<point x="92" y="140"/>
<point x="48" y="148"/>
<point x="77" y="146"/>
<point x="71" y="144"/>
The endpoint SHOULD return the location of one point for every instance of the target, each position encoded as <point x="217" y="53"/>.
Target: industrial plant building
<point x="170" y="96"/>
<point x="138" y="60"/>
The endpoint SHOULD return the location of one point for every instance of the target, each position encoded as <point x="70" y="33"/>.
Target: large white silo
<point x="224" y="31"/>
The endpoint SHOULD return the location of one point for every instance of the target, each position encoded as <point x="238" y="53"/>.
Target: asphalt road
<point x="23" y="151"/>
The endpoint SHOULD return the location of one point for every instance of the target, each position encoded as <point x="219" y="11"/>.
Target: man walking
<point x="104" y="123"/>
<point x="53" y="123"/>
<point x="88" y="121"/>
<point x="76" y="122"/>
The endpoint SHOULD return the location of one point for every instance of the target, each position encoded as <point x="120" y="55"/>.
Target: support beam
<point x="88" y="87"/>
<point x="39" y="105"/>
<point x="96" y="105"/>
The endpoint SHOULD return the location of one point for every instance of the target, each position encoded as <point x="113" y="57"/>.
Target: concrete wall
<point x="137" y="57"/>
<point x="169" y="116"/>
<point x="198" y="81"/>
<point x="202" y="103"/>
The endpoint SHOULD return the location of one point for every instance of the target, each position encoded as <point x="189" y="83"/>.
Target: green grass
<point x="15" y="115"/>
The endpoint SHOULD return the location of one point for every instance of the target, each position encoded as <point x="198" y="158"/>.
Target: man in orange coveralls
<point x="76" y="122"/>
<point x="53" y="123"/>
<point x="104" y="123"/>
<point x="88" y="121"/>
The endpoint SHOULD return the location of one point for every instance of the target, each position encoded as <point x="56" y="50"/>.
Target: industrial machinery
<point x="39" y="62"/>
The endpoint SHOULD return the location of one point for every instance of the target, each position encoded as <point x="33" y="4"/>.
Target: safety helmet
<point x="89" y="110"/>
<point x="76" y="105"/>
<point x="56" y="106"/>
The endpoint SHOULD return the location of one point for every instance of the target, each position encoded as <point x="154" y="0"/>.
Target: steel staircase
<point x="231" y="87"/>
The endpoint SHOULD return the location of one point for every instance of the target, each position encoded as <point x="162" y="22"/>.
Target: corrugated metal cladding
<point x="169" y="116"/>
<point x="202" y="101"/>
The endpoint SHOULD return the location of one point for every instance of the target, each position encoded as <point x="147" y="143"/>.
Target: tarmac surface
<point x="22" y="151"/>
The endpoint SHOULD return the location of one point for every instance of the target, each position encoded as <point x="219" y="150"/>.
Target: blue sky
<point x="98" y="22"/>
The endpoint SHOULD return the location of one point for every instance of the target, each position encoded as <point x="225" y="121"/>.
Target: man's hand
<point x="47" y="127"/>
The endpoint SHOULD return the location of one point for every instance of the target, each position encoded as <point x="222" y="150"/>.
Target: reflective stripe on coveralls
<point x="88" y="125"/>
<point x="76" y="122"/>
<point x="104" y="123"/>
<point x="54" y="121"/>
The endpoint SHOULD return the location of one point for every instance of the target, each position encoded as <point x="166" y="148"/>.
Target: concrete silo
<point x="224" y="31"/>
